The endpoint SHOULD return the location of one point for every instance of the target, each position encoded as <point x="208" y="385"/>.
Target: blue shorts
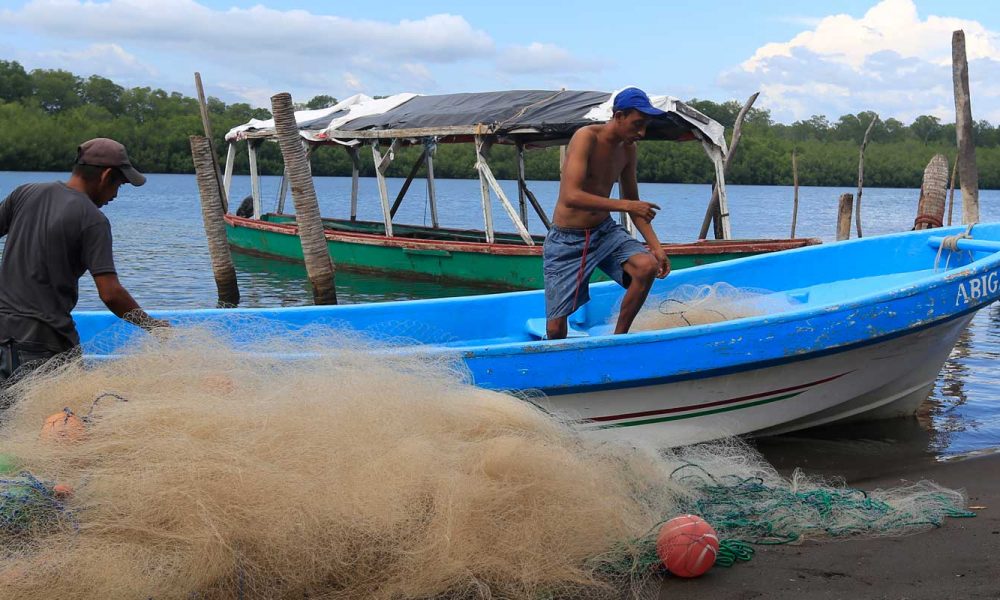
<point x="570" y="257"/>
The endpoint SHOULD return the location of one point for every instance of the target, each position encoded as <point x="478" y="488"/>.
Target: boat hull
<point x="844" y="331"/>
<point x="414" y="253"/>
<point x="880" y="380"/>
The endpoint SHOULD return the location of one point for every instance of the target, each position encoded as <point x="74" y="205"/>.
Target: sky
<point x="820" y="58"/>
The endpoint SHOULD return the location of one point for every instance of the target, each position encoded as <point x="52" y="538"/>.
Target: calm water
<point x="163" y="260"/>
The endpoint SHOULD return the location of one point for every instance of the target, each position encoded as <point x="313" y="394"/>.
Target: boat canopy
<point x="524" y="118"/>
<point x="528" y="117"/>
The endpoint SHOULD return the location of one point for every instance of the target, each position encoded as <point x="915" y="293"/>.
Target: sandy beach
<point x="960" y="560"/>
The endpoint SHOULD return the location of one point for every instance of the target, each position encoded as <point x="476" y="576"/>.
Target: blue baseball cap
<point x="633" y="97"/>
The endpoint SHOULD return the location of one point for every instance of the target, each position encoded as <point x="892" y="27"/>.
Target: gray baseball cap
<point x="104" y="152"/>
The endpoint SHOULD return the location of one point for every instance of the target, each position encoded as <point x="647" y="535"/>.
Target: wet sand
<point x="960" y="560"/>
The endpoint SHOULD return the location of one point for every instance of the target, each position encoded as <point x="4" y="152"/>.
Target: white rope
<point x="950" y="242"/>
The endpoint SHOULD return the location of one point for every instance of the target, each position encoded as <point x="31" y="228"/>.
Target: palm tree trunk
<point x="215" y="226"/>
<point x="319" y="265"/>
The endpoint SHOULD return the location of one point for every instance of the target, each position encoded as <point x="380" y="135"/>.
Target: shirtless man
<point x="584" y="236"/>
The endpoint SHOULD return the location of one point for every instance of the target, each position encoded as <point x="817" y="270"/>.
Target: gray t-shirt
<point x="54" y="235"/>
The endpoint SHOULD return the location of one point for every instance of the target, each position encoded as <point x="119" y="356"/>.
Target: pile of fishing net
<point x="688" y="305"/>
<point x="342" y="469"/>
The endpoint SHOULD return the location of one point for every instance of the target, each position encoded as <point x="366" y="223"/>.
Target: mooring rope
<point x="950" y="243"/>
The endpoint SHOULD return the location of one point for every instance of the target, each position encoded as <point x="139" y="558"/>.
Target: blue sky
<point x="833" y="58"/>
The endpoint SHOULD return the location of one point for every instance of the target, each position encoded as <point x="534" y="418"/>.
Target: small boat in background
<point x="524" y="119"/>
<point x="856" y="329"/>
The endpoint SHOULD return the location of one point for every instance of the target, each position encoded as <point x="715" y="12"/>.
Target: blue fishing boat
<point x="856" y="329"/>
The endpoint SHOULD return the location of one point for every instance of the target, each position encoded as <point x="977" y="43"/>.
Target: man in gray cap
<point x="55" y="233"/>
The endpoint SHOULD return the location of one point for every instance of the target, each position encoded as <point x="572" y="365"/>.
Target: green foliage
<point x="45" y="114"/>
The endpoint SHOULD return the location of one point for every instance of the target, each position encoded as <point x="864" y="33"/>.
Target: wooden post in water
<point x="319" y="265"/>
<point x="844" y="216"/>
<point x="714" y="211"/>
<point x="795" y="193"/>
<point x="861" y="173"/>
<point x="951" y="191"/>
<point x="968" y="172"/>
<point x="930" y="209"/>
<point x="215" y="225"/>
<point x="206" y="124"/>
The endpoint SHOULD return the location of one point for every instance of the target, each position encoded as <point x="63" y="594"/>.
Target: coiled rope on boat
<point x="950" y="243"/>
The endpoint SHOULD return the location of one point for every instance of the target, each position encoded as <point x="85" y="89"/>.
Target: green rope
<point x="746" y="511"/>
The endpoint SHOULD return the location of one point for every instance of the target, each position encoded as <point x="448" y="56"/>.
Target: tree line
<point x="46" y="113"/>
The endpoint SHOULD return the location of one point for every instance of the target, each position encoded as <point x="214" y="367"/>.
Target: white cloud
<point x="539" y="58"/>
<point x="260" y="46"/>
<point x="352" y="82"/>
<point x="108" y="60"/>
<point x="889" y="60"/>
<point x="257" y="31"/>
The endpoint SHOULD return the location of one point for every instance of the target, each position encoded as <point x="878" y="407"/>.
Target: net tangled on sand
<point x="206" y="472"/>
<point x="701" y="304"/>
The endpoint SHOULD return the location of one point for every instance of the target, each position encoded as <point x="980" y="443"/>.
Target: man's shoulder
<point x="588" y="131"/>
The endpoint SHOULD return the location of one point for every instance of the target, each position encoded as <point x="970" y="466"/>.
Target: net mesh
<point x="350" y="470"/>
<point x="701" y="304"/>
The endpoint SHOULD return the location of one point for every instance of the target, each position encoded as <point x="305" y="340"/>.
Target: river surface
<point x="163" y="260"/>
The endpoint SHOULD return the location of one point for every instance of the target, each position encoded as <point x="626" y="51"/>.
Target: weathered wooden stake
<point x="968" y="172"/>
<point x="844" y="216"/>
<point x="319" y="265"/>
<point x="431" y="146"/>
<point x="714" y="212"/>
<point x="861" y="173"/>
<point x="795" y="194"/>
<point x="951" y="191"/>
<point x="206" y="124"/>
<point x="215" y="225"/>
<point x="930" y="209"/>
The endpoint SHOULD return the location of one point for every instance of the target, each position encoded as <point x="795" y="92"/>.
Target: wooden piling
<point x="319" y="265"/>
<point x="714" y="212"/>
<point x="844" y="216"/>
<point x="215" y="225"/>
<point x="930" y="208"/>
<point x="206" y="124"/>
<point x="951" y="189"/>
<point x="795" y="193"/>
<point x="861" y="173"/>
<point x="968" y="172"/>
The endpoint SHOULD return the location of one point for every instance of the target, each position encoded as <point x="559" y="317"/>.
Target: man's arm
<point x="628" y="185"/>
<point x="114" y="295"/>
<point x="571" y="192"/>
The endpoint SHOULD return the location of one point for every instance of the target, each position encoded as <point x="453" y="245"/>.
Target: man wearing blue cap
<point x="584" y="236"/>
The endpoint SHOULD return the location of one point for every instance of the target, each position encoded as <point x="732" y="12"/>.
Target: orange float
<point x="63" y="426"/>
<point x="687" y="545"/>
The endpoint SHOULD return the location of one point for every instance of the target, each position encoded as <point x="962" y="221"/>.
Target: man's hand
<point x="642" y="210"/>
<point x="150" y="324"/>
<point x="662" y="262"/>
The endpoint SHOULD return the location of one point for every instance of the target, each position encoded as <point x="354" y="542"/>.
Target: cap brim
<point x="134" y="177"/>
<point x="651" y="111"/>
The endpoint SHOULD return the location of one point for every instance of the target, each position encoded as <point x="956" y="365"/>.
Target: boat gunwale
<point x="699" y="247"/>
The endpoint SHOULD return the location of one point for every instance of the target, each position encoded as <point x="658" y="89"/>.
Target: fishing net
<point x="701" y="304"/>
<point x="326" y="465"/>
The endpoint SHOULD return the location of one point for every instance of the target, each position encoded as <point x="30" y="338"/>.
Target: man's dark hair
<point x="93" y="173"/>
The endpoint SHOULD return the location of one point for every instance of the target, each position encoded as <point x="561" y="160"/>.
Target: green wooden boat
<point x="451" y="254"/>
<point x="525" y="119"/>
